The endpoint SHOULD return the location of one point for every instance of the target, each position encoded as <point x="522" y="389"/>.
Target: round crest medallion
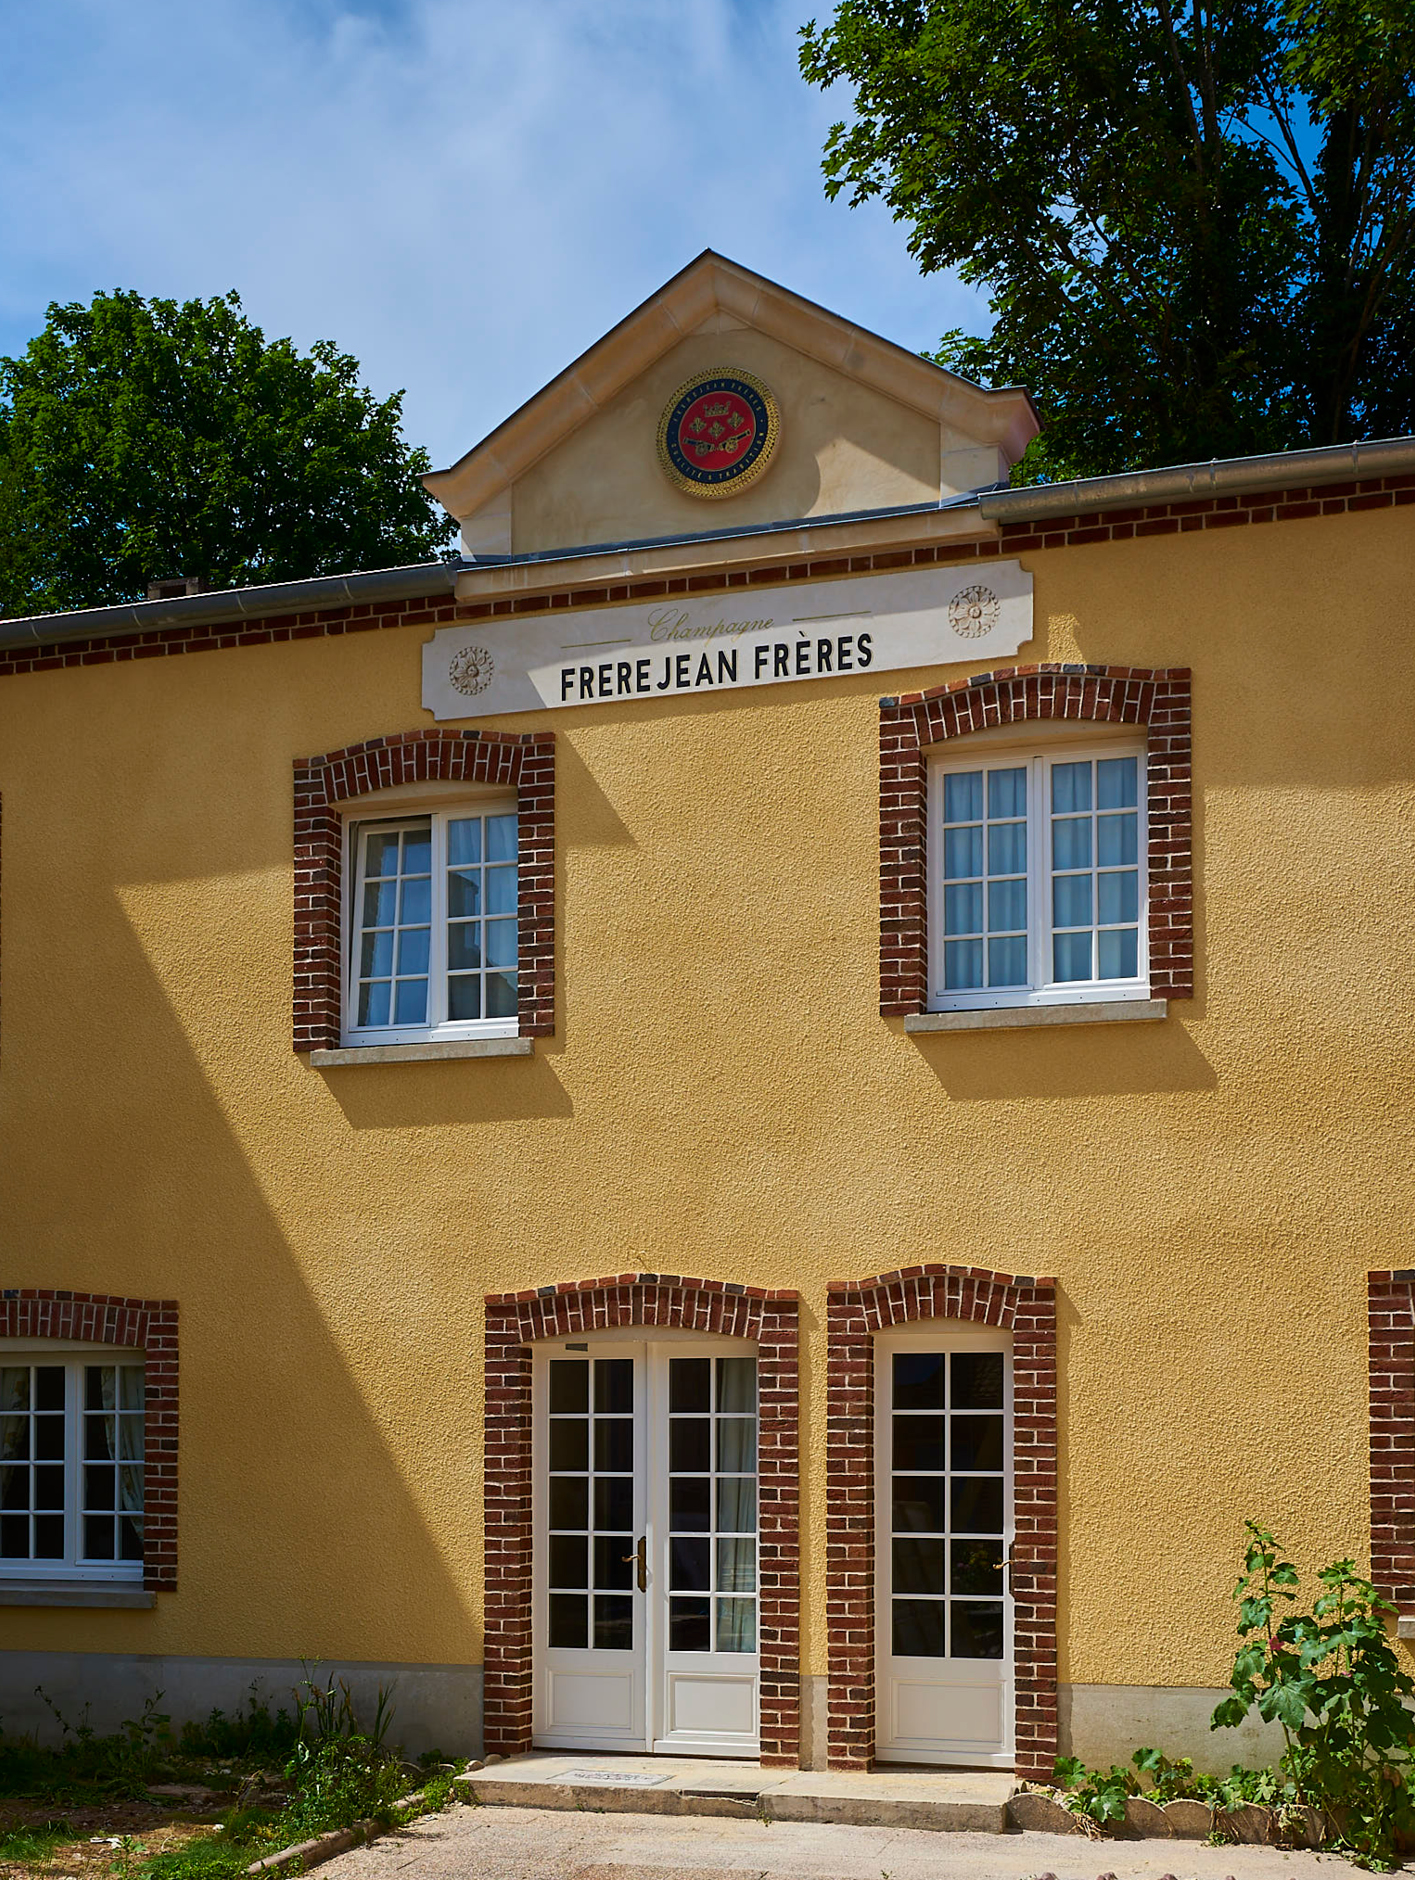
<point x="718" y="432"/>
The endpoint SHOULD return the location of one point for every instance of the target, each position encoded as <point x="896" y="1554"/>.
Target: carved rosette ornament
<point x="471" y="670"/>
<point x="973" y="612"/>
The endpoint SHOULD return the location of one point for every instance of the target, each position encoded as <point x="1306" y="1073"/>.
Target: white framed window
<point x="71" y="1465"/>
<point x="1037" y="884"/>
<point x="432" y="925"/>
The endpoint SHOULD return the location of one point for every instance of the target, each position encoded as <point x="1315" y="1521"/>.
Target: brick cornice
<point x="1195" y="514"/>
<point x="514" y="1321"/>
<point x="146" y="1325"/>
<point x="519" y="761"/>
<point x="856" y="1311"/>
<point x="914" y="722"/>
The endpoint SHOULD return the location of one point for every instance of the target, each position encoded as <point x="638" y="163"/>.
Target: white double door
<point x="944" y="1527"/>
<point x="645" y="1510"/>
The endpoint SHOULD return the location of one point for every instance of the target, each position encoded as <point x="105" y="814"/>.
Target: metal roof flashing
<point x="1228" y="476"/>
<point x="316" y="595"/>
<point x="324" y="592"/>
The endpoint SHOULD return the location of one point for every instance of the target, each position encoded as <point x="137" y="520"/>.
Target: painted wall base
<point x="815" y="1722"/>
<point x="440" y="1706"/>
<point x="434" y="1706"/>
<point x="1106" y="1723"/>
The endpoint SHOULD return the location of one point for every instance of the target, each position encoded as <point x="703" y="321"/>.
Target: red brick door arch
<point x="514" y="1321"/>
<point x="857" y="1310"/>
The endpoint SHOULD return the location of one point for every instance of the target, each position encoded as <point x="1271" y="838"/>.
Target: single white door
<point x="644" y="1627"/>
<point x="944" y="1521"/>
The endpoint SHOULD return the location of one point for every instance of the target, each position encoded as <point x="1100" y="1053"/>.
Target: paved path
<point x="545" y="1844"/>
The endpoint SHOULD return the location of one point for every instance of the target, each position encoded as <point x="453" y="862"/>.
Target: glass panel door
<point x="590" y="1626"/>
<point x="944" y="1517"/>
<point x="645" y="1561"/>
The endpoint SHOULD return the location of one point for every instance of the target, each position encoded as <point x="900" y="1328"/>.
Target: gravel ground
<point x="548" y="1844"/>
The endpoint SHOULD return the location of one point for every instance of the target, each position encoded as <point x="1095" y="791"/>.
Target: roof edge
<point x="1232" y="476"/>
<point x="318" y="593"/>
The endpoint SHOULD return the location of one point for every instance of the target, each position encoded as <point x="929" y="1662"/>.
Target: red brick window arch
<point x="514" y="1321"/>
<point x="38" y="1316"/>
<point x="857" y="1310"/>
<point x="918" y="722"/>
<point x="523" y="762"/>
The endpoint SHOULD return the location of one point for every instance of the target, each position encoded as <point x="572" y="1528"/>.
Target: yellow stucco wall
<point x="722" y="1099"/>
<point x="843" y="447"/>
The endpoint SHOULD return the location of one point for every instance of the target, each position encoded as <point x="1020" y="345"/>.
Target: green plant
<point x="84" y="1767"/>
<point x="325" y="1713"/>
<point x="250" y="1733"/>
<point x="26" y="1847"/>
<point x="341" y="1781"/>
<point x="435" y="1794"/>
<point x="242" y="1839"/>
<point x="1099" y="1794"/>
<point x="1330" y="1679"/>
<point x="342" y="1772"/>
<point x="1171" y="1780"/>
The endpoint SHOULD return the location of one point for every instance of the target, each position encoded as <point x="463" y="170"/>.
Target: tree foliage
<point x="1195" y="222"/>
<point x="145" y="439"/>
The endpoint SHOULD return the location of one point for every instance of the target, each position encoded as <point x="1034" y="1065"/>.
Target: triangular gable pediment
<point x="864" y="424"/>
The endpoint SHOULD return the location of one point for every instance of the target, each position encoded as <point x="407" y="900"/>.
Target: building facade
<point x="748" y="1122"/>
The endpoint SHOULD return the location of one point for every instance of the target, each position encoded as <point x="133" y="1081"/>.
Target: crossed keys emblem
<point x="716" y="421"/>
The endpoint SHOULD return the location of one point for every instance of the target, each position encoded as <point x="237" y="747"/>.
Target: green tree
<point x="1194" y="222"/>
<point x="143" y="439"/>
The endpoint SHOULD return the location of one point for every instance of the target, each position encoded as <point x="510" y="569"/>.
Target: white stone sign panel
<point x="723" y="642"/>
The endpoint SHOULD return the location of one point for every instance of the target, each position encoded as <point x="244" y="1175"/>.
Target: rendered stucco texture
<point x="723" y="1099"/>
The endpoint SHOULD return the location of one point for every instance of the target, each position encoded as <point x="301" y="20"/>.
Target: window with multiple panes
<point x="71" y="1466"/>
<point x="712" y="1504"/>
<point x="432" y="926"/>
<point x="1037" y="876"/>
<point x="591" y="1551"/>
<point x="947" y="1489"/>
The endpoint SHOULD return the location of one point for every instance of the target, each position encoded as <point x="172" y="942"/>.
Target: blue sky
<point x="462" y="193"/>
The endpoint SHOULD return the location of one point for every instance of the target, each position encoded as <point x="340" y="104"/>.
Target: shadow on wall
<point x="300" y="1532"/>
<point x="440" y="1096"/>
<point x="1071" y="1061"/>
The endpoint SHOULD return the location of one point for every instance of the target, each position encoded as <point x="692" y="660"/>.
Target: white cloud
<point x="463" y="194"/>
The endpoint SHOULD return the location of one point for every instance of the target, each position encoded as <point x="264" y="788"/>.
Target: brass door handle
<point x="640" y="1556"/>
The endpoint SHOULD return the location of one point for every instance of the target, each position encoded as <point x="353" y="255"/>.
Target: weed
<point x="85" y="1767"/>
<point x="28" y="1846"/>
<point x="250" y="1734"/>
<point x="1098" y="1794"/>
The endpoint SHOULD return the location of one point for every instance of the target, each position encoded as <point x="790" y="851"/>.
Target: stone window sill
<point x="1023" y="1017"/>
<point x="75" y="1593"/>
<point x="422" y="1053"/>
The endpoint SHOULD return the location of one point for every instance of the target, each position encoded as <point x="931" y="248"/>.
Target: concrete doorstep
<point x="944" y="1800"/>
